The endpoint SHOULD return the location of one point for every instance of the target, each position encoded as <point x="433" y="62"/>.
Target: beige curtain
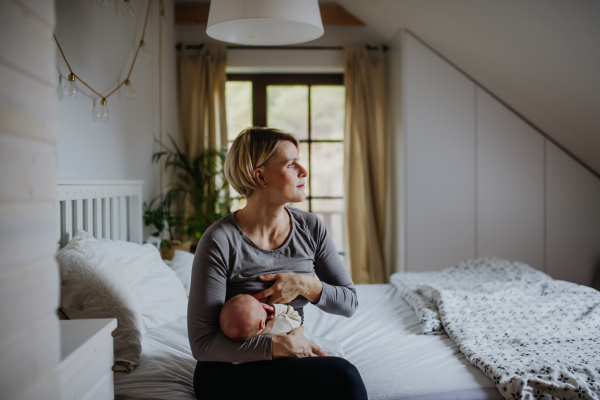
<point x="365" y="163"/>
<point x="202" y="98"/>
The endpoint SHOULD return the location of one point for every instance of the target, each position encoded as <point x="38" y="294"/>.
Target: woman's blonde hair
<point x="250" y="150"/>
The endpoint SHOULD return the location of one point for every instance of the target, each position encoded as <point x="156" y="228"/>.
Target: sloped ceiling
<point x="541" y="57"/>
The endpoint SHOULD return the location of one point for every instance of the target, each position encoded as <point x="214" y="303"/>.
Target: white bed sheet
<point x="383" y="340"/>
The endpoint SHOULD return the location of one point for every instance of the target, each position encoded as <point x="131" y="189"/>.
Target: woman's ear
<point x="259" y="176"/>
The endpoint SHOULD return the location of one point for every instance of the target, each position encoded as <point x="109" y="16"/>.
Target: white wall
<point x="29" y="281"/>
<point x="573" y="219"/>
<point x="99" y="44"/>
<point x="439" y="152"/>
<point x="510" y="184"/>
<point x="481" y="181"/>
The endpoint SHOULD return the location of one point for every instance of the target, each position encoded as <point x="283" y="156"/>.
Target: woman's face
<point x="284" y="175"/>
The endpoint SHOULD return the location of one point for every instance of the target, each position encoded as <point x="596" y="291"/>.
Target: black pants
<point x="310" y="378"/>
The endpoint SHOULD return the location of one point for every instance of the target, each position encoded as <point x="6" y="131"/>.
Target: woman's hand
<point x="294" y="344"/>
<point x="269" y="309"/>
<point x="288" y="286"/>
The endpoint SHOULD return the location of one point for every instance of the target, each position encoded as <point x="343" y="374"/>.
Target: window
<point x="311" y="107"/>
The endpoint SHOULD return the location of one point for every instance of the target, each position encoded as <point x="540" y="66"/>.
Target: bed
<point x="384" y="339"/>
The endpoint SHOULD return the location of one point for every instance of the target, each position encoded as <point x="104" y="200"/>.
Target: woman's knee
<point x="349" y="383"/>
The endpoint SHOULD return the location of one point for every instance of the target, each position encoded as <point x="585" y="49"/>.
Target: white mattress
<point x="383" y="340"/>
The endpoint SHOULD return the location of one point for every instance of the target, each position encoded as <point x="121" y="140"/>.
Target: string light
<point x="128" y="91"/>
<point x="144" y="50"/>
<point x="70" y="90"/>
<point x="101" y="113"/>
<point x="128" y="9"/>
<point x="163" y="18"/>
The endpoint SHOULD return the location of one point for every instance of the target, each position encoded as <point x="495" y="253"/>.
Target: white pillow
<point x="182" y="265"/>
<point x="161" y="294"/>
<point x="93" y="287"/>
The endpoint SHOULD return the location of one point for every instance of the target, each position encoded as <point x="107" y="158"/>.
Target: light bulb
<point x="101" y="112"/>
<point x="163" y="19"/>
<point x="70" y="88"/>
<point x="128" y="9"/>
<point x="103" y="3"/>
<point x="128" y="90"/>
<point x="60" y="90"/>
<point x="144" y="50"/>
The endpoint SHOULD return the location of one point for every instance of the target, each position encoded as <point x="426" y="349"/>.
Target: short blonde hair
<point x="250" y="150"/>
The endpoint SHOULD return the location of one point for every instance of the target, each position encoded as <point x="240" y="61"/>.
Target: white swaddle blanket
<point x="332" y="348"/>
<point x="286" y="319"/>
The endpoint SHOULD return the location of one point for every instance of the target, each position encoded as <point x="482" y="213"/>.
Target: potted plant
<point x="158" y="214"/>
<point x="197" y="196"/>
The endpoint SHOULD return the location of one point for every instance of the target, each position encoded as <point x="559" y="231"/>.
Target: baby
<point x="244" y="317"/>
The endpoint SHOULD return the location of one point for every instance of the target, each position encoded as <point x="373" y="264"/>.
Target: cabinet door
<point x="510" y="185"/>
<point x="573" y="219"/>
<point x="439" y="112"/>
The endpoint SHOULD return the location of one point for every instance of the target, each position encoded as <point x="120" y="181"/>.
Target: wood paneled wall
<point x="482" y="181"/>
<point x="29" y="281"/>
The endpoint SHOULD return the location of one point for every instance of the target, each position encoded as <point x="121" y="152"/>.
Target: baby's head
<point x="243" y="317"/>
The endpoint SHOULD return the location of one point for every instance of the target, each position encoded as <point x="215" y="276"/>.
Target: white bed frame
<point x="106" y="209"/>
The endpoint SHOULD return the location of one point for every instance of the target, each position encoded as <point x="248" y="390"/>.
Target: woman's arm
<point x="288" y="286"/>
<point x="334" y="292"/>
<point x="207" y="296"/>
<point x="338" y="295"/>
<point x="294" y="344"/>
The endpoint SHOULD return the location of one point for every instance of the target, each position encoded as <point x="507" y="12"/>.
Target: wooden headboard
<point x="106" y="209"/>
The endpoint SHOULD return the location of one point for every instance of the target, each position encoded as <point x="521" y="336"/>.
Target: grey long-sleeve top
<point x="228" y="263"/>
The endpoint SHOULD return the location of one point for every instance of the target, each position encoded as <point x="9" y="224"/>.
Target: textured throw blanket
<point x="535" y="337"/>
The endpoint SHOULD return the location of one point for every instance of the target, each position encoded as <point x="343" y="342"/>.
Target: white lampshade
<point x="264" y="22"/>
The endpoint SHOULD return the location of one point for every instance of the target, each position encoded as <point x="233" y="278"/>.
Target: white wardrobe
<point x="481" y="181"/>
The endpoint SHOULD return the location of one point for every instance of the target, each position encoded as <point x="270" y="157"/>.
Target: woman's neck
<point x="267" y="225"/>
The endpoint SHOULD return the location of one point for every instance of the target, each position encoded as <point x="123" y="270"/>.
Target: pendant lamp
<point x="264" y="22"/>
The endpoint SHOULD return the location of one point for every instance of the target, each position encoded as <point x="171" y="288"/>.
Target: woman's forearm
<point x="313" y="289"/>
<point x="280" y="345"/>
<point x="340" y="300"/>
<point x="207" y="296"/>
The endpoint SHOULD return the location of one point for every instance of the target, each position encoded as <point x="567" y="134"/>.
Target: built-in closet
<point x="480" y="180"/>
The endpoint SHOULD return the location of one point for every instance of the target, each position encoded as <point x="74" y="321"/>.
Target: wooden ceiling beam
<point x="197" y="14"/>
<point x="338" y="16"/>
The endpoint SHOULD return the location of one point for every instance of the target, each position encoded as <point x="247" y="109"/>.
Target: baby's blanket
<point x="331" y="347"/>
<point x="535" y="337"/>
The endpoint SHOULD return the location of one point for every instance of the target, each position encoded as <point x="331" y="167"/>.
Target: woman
<point x="272" y="252"/>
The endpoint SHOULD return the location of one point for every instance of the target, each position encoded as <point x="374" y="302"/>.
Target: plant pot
<point x="167" y="252"/>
